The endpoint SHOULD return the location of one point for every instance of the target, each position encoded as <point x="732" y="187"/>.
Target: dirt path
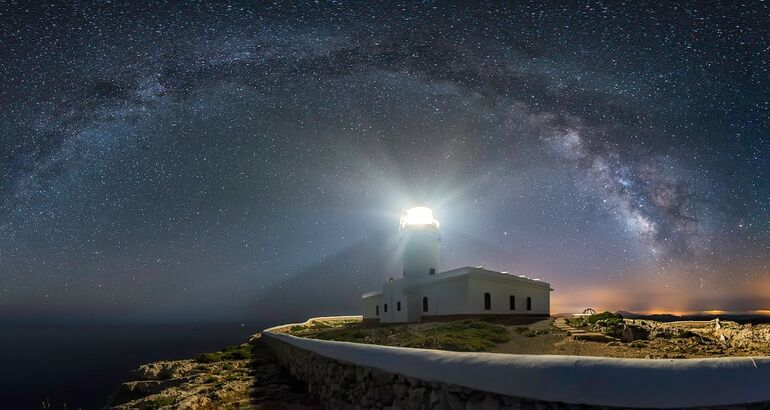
<point x="552" y="337"/>
<point x="537" y="338"/>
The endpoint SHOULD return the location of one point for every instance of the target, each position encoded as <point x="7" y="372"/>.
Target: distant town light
<point x="418" y="215"/>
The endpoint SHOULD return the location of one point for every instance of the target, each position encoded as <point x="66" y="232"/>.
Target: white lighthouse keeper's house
<point x="424" y="294"/>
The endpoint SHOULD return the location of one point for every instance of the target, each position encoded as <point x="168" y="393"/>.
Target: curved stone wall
<point x="344" y="373"/>
<point x="342" y="385"/>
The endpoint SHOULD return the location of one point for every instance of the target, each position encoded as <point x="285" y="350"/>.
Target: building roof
<point x="467" y="271"/>
<point x="370" y="294"/>
<point x="486" y="273"/>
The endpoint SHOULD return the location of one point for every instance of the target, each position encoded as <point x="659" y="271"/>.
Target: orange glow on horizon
<point x="676" y="300"/>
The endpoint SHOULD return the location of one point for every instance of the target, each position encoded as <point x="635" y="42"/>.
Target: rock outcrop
<point x="743" y="336"/>
<point x="258" y="382"/>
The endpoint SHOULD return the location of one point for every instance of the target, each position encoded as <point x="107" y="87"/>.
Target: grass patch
<point x="162" y="401"/>
<point x="348" y="335"/>
<point x="466" y="335"/>
<point x="241" y="352"/>
<point x="463" y="336"/>
<point x="385" y="334"/>
<point x="522" y="329"/>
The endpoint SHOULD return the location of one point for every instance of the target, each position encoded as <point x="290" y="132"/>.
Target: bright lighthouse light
<point x="418" y="215"/>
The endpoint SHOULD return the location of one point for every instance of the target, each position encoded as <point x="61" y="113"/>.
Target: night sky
<point x="182" y="161"/>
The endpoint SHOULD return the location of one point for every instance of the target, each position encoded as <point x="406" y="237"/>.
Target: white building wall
<point x="460" y="295"/>
<point x="542" y="302"/>
<point x="445" y="297"/>
<point x="392" y="294"/>
<point x="500" y="291"/>
<point x="370" y="306"/>
<point x="413" y="307"/>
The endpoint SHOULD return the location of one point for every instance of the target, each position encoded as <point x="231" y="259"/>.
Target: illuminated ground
<point x="644" y="339"/>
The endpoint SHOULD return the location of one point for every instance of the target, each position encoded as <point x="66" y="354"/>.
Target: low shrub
<point x="607" y="318"/>
<point x="522" y="329"/>
<point x="464" y="336"/>
<point x="241" y="352"/>
<point x="162" y="401"/>
<point x="343" y="335"/>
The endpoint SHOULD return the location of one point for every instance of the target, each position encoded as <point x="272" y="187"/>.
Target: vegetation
<point x="211" y="379"/>
<point x="241" y="352"/>
<point x="161" y="401"/>
<point x="320" y="324"/>
<point x="466" y="335"/>
<point x="311" y="326"/>
<point x="606" y="319"/>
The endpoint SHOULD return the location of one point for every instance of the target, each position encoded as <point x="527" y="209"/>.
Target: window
<point x="512" y="302"/>
<point x="529" y="303"/>
<point x="487" y="301"/>
<point x="398" y="306"/>
<point x="385" y="308"/>
<point x="432" y="271"/>
<point x="424" y="303"/>
<point x="377" y="310"/>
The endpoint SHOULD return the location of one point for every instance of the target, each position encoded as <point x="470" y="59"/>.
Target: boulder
<point x="631" y="333"/>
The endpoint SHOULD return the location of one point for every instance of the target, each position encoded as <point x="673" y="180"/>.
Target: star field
<point x="163" y="160"/>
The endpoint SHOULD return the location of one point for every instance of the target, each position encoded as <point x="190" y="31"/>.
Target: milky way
<point x="190" y="156"/>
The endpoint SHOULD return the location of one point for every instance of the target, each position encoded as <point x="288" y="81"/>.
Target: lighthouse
<point x="425" y="294"/>
<point x="420" y="242"/>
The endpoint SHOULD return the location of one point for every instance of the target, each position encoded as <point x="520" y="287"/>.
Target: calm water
<point x="80" y="366"/>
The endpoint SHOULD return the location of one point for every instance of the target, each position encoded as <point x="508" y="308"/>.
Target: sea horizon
<point x="81" y="365"/>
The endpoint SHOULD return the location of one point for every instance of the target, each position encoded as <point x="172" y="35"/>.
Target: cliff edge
<point x="245" y="376"/>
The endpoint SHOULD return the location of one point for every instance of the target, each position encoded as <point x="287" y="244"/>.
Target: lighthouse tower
<point x="420" y="242"/>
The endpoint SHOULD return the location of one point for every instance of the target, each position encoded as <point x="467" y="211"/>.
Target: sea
<point x="80" y="366"/>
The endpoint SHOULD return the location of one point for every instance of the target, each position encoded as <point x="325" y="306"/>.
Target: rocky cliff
<point x="213" y="381"/>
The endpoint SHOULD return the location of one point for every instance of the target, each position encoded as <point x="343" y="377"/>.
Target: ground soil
<point x="700" y="345"/>
<point x="677" y="340"/>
